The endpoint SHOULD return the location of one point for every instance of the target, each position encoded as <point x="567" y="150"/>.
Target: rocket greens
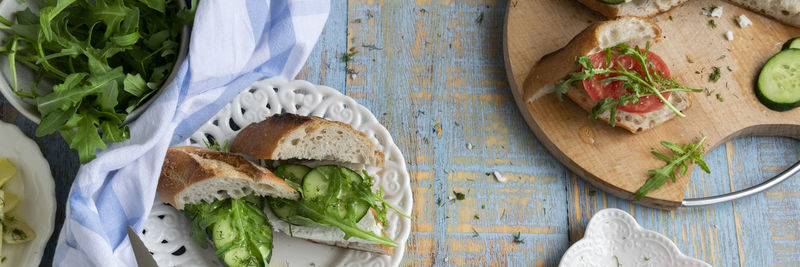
<point x="332" y="196"/>
<point x="105" y="57"/>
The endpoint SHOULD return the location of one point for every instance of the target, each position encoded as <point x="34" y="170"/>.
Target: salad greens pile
<point x="105" y="57"/>
<point x="651" y="83"/>
<point x="241" y="233"/>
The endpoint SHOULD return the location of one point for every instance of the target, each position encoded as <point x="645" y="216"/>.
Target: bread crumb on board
<point x="717" y="12"/>
<point x="744" y="21"/>
<point x="729" y="35"/>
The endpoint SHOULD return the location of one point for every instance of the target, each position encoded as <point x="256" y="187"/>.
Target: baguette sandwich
<point x="608" y="70"/>
<point x="786" y="11"/>
<point x="237" y="203"/>
<point x="640" y="8"/>
<point x="311" y="154"/>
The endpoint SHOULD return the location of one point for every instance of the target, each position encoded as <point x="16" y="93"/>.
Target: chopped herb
<point x="688" y="59"/>
<point x="719" y="98"/>
<point x="730" y="69"/>
<point x="670" y="17"/>
<point x="439" y="201"/>
<point x="476" y="217"/>
<point x="348" y="56"/>
<point x="518" y="238"/>
<point x="3" y="259"/>
<point x="479" y="19"/>
<point x="19" y="234"/>
<point x="712" y="23"/>
<point x="475" y="232"/>
<point x="714" y="76"/>
<point x="592" y="193"/>
<point x="646" y="259"/>
<point x="708" y="92"/>
<point x="459" y="195"/>
<point x="483" y="206"/>
<point x="618" y="264"/>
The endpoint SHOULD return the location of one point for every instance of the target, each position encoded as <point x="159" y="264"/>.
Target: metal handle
<point x="694" y="202"/>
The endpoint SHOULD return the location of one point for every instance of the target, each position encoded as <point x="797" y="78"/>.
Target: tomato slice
<point x="598" y="90"/>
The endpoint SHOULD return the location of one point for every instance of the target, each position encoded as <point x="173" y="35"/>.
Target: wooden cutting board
<point x="615" y="160"/>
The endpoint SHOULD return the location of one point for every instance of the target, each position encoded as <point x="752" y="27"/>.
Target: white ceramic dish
<point x="25" y="76"/>
<point x="613" y="238"/>
<point x="166" y="232"/>
<point x="36" y="190"/>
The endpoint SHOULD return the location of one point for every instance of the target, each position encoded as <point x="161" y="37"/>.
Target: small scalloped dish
<point x="613" y="238"/>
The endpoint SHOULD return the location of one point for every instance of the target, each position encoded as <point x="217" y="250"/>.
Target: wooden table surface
<point x="433" y="74"/>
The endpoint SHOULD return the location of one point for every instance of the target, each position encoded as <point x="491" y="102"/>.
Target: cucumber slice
<point x="237" y="257"/>
<point x="779" y="81"/>
<point x="222" y="232"/>
<point x="282" y="208"/>
<point x="317" y="182"/>
<point x="292" y="172"/>
<point x="611" y="2"/>
<point x="793" y="43"/>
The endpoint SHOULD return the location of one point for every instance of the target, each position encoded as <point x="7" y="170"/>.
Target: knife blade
<point x="140" y="251"/>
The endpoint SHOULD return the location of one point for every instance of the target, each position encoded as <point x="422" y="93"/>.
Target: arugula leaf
<point x="684" y="155"/>
<point x="104" y="57"/>
<point x="651" y="83"/>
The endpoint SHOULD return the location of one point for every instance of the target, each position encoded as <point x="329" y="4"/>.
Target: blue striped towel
<point x="233" y="44"/>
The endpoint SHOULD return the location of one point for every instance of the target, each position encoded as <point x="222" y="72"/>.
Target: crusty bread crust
<point x="185" y="167"/>
<point x="262" y="140"/>
<point x="640" y="8"/>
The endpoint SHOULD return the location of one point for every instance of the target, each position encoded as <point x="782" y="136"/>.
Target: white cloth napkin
<point x="233" y="44"/>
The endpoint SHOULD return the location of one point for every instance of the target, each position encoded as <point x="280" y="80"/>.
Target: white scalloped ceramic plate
<point x="36" y="190"/>
<point x="166" y="231"/>
<point x="613" y="238"/>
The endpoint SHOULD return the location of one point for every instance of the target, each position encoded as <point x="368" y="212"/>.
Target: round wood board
<point x="615" y="160"/>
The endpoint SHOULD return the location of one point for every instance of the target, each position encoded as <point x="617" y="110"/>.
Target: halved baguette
<point x="639" y="8"/>
<point x="554" y="68"/>
<point x="786" y="11"/>
<point x="192" y="174"/>
<point x="291" y="136"/>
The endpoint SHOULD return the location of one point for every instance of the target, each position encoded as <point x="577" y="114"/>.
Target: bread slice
<point x="786" y="11"/>
<point x="554" y="68"/>
<point x="192" y="174"/>
<point x="332" y="236"/>
<point x="291" y="136"/>
<point x="639" y="8"/>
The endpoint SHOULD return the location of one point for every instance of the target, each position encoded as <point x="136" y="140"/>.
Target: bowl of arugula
<point x="85" y="68"/>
